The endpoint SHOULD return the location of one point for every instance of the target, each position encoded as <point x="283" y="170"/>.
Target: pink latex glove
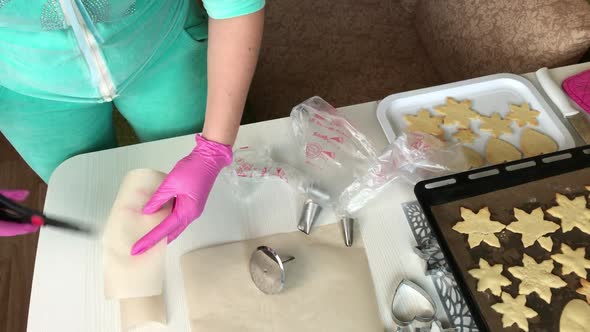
<point x="189" y="183"/>
<point x="12" y="229"/>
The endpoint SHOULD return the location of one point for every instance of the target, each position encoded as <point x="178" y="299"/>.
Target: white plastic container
<point x="488" y="94"/>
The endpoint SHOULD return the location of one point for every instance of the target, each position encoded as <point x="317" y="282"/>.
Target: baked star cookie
<point x="499" y="151"/>
<point x="523" y="115"/>
<point x="572" y="261"/>
<point x="536" y="277"/>
<point x="573" y="213"/>
<point x="457" y="112"/>
<point x="489" y="277"/>
<point x="465" y="135"/>
<point x="479" y="227"/>
<point x="585" y="289"/>
<point x="534" y="143"/>
<point x="533" y="227"/>
<point x="423" y="122"/>
<point x="495" y="125"/>
<point x="514" y="311"/>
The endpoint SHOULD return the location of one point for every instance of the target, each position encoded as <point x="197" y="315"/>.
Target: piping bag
<point x="339" y="167"/>
<point x="255" y="165"/>
<point x="346" y="172"/>
<point x="334" y="153"/>
<point x="411" y="158"/>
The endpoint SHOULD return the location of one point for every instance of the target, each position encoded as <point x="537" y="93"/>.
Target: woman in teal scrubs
<point x="171" y="67"/>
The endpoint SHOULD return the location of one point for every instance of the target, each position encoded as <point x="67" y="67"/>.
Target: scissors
<point x="11" y="211"/>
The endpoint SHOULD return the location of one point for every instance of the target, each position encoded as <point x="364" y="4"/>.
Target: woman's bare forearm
<point x="234" y="45"/>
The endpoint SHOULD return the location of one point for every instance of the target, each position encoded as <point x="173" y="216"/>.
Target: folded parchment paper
<point x="328" y="286"/>
<point x="136" y="281"/>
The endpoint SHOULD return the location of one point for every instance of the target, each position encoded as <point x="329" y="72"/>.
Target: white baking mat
<point x="488" y="94"/>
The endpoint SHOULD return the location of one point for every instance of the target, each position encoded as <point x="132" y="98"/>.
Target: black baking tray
<point x="468" y="184"/>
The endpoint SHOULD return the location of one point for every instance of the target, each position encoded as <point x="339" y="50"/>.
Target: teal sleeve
<point x="220" y="9"/>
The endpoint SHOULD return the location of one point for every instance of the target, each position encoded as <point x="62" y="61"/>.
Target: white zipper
<point x="90" y="49"/>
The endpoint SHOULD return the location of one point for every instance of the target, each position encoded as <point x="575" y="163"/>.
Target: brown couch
<point x="352" y="51"/>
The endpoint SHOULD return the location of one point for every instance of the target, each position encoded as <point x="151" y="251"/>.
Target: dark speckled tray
<point x="525" y="184"/>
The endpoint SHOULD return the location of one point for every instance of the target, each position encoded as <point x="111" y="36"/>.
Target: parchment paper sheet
<point x="328" y="286"/>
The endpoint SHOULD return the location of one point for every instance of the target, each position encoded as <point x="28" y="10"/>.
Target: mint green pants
<point x="166" y="99"/>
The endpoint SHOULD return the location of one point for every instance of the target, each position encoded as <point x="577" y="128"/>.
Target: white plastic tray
<point x="488" y="94"/>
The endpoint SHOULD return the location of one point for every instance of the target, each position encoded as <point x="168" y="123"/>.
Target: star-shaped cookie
<point x="489" y="277"/>
<point x="495" y="125"/>
<point x="585" y="289"/>
<point x="465" y="135"/>
<point x="533" y="227"/>
<point x="536" y="277"/>
<point x="573" y="213"/>
<point x="572" y="260"/>
<point x="479" y="227"/>
<point x="523" y="115"/>
<point x="457" y="113"/>
<point x="514" y="311"/>
<point x="423" y="122"/>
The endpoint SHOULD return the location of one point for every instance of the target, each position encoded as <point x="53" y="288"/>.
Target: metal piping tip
<point x="318" y="194"/>
<point x="311" y="211"/>
<point x="267" y="270"/>
<point x="347" y="230"/>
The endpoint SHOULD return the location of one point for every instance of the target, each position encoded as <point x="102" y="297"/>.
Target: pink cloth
<point x="578" y="88"/>
<point x="12" y="229"/>
<point x="189" y="184"/>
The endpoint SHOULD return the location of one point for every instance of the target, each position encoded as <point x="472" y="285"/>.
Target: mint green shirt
<point x="91" y="50"/>
<point x="221" y="9"/>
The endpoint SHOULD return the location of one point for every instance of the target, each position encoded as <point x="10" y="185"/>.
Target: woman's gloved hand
<point x="10" y="228"/>
<point x="189" y="183"/>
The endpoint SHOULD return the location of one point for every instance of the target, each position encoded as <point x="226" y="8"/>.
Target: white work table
<point x="67" y="292"/>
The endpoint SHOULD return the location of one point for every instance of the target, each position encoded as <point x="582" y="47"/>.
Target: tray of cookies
<point x="516" y="237"/>
<point x="497" y="118"/>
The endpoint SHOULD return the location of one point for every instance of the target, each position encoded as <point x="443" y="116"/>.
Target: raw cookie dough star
<point x="489" y="277"/>
<point x="573" y="213"/>
<point x="536" y="277"/>
<point x="533" y="227"/>
<point x="585" y="289"/>
<point x="523" y="114"/>
<point x="495" y="125"/>
<point x="514" y="310"/>
<point x="479" y="227"/>
<point x="465" y="135"/>
<point x="572" y="261"/>
<point x="457" y="113"/>
<point x="423" y="122"/>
